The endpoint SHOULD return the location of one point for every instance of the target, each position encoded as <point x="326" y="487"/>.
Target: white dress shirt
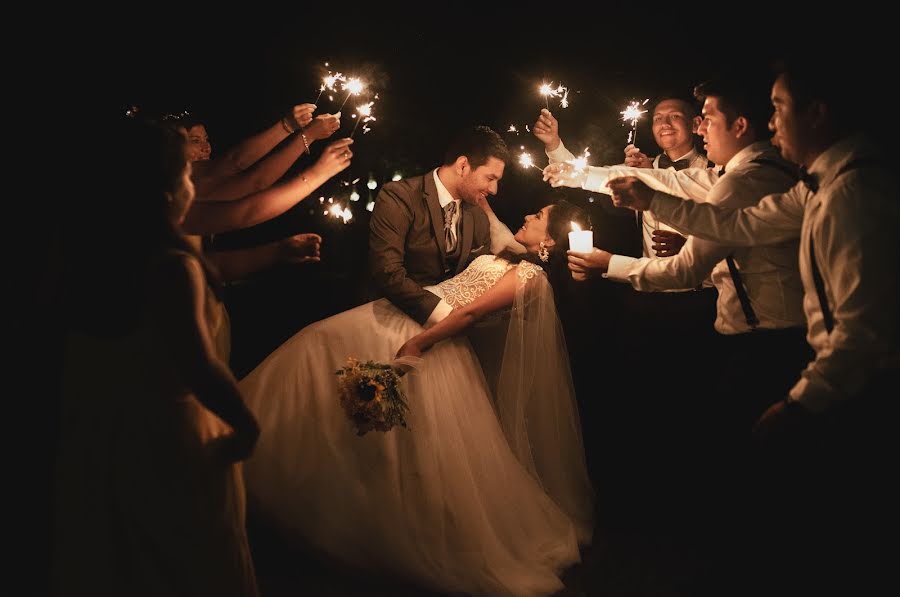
<point x="443" y="308"/>
<point x="770" y="274"/>
<point x="853" y="219"/>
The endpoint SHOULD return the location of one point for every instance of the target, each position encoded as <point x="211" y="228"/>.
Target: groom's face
<point x="480" y="182"/>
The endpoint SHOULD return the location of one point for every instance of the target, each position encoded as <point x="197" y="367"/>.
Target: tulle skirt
<point x="444" y="504"/>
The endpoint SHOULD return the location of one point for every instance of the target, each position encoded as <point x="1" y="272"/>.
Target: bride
<point x="487" y="491"/>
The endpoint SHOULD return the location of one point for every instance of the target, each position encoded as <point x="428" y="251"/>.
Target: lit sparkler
<point x="526" y="162"/>
<point x="328" y="82"/>
<point x="365" y="115"/>
<point x="560" y="91"/>
<point x="353" y="87"/>
<point x="633" y="113"/>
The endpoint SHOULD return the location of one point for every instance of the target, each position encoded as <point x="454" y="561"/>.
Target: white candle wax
<point x="581" y="241"/>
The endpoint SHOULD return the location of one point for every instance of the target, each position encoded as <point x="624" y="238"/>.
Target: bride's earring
<point x="543" y="253"/>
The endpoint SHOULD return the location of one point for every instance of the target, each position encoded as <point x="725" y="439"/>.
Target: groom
<point x="428" y="228"/>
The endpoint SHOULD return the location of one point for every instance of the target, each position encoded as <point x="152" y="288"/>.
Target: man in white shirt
<point x="759" y="308"/>
<point x="833" y="436"/>
<point x="671" y="330"/>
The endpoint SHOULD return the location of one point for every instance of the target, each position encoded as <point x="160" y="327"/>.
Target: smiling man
<point x="428" y="228"/>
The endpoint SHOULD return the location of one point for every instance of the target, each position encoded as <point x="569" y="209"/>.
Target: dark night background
<point x="432" y="80"/>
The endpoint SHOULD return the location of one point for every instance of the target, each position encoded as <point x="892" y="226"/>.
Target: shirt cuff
<point x="560" y="154"/>
<point x="618" y="267"/>
<point x="806" y="394"/>
<point x="596" y="180"/>
<point x="441" y="311"/>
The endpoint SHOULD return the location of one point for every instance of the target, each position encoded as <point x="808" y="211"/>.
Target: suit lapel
<point x="433" y="204"/>
<point x="468" y="225"/>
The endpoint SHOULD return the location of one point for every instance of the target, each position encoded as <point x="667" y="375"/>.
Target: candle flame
<point x="576" y="227"/>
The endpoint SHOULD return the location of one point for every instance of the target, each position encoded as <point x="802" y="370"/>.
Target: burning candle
<point x="581" y="241"/>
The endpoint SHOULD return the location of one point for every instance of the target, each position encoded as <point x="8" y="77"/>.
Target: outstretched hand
<point x="565" y="175"/>
<point x="667" y="243"/>
<point x="301" y="115"/>
<point x="336" y="157"/>
<point x="546" y="129"/>
<point x="409" y="349"/>
<point x="628" y="191"/>
<point x="322" y="127"/>
<point x="300" y="248"/>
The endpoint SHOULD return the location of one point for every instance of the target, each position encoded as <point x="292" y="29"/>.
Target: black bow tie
<point x="810" y="180"/>
<point x="666" y="162"/>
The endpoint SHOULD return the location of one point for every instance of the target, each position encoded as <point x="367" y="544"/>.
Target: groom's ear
<point x="461" y="165"/>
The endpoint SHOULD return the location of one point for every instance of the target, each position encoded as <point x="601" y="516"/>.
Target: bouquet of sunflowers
<point x="371" y="396"/>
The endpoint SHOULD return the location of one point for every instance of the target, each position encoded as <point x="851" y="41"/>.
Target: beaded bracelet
<point x="306" y="143"/>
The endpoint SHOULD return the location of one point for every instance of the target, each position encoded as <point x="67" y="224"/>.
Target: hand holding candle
<point x="580" y="241"/>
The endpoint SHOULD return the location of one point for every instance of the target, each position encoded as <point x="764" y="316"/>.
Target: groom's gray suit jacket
<point x="406" y="243"/>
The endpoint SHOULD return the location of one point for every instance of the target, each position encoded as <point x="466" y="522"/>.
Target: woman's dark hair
<point x="559" y="224"/>
<point x="126" y="226"/>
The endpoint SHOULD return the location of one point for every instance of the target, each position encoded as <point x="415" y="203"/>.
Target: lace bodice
<point x="479" y="277"/>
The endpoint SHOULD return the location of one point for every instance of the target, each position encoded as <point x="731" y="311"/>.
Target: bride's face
<point x="534" y="230"/>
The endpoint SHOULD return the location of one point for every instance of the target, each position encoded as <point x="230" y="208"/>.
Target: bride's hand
<point x="409" y="349"/>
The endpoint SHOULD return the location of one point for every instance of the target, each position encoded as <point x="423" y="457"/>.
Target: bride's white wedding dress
<point x="485" y="493"/>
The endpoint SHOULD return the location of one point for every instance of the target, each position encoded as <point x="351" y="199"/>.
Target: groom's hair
<point x="477" y="144"/>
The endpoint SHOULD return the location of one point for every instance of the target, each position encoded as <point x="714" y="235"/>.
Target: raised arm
<point x="501" y="296"/>
<point x="249" y="151"/>
<point x="268" y="170"/>
<point x="178" y="307"/>
<point x="213" y="217"/>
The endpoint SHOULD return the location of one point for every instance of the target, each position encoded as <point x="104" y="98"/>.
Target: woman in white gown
<point x="487" y="491"/>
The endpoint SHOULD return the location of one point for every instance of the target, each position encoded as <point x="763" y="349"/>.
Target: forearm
<point x="213" y="217"/>
<point x="456" y="322"/>
<point x="392" y="282"/>
<point x="776" y="218"/>
<point x="237" y="264"/>
<point x="690" y="183"/>
<point x="559" y="154"/>
<point x="260" y="177"/>
<point x="687" y="269"/>
<point x="250" y="150"/>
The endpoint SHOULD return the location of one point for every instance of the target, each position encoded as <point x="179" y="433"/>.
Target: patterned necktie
<point x="449" y="228"/>
<point x="666" y="162"/>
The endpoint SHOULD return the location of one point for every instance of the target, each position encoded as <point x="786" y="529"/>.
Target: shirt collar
<point x="444" y="196"/>
<point x="746" y="154"/>
<point x="829" y="163"/>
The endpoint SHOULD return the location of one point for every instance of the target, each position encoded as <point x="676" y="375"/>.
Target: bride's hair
<point x="559" y="224"/>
